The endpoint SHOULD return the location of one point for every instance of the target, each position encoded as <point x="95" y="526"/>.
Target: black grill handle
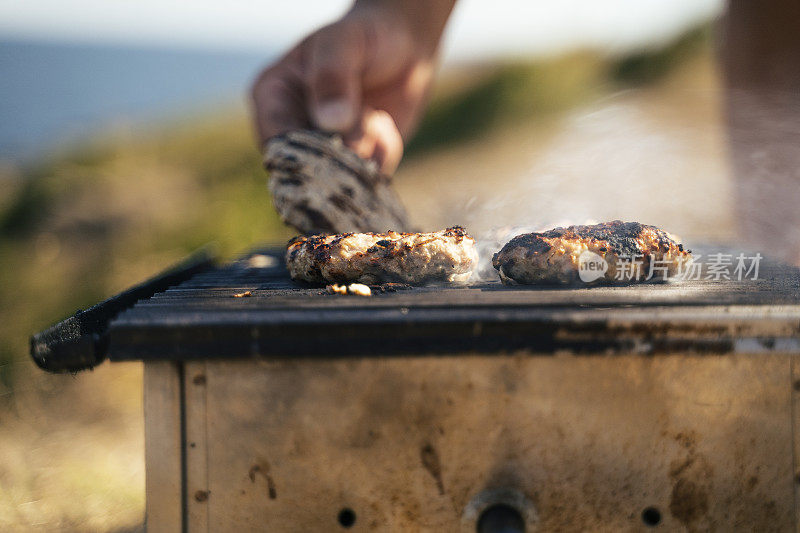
<point x="80" y="342"/>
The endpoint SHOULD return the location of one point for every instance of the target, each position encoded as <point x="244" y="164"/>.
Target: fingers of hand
<point x="405" y="99"/>
<point x="278" y="99"/>
<point x="376" y="137"/>
<point x="334" y="64"/>
<point x="319" y="83"/>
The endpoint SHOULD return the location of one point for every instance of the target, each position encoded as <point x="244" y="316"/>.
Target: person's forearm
<point x="426" y="19"/>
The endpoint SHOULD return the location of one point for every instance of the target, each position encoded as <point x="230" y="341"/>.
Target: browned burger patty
<point x="413" y="258"/>
<point x="319" y="185"/>
<point x="552" y="257"/>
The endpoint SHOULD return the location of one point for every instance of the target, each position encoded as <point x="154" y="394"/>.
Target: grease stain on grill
<point x="692" y="476"/>
<point x="689" y="501"/>
<point x="390" y="287"/>
<point x="430" y="460"/>
<point x="263" y="469"/>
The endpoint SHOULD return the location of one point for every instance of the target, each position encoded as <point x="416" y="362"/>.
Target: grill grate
<point x="201" y="318"/>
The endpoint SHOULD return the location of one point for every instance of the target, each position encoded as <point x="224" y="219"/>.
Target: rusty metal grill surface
<point x="201" y="317"/>
<point x="273" y="426"/>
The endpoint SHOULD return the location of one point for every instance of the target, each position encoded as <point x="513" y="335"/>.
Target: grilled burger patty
<point x="319" y="185"/>
<point x="551" y="257"/>
<point x="413" y="258"/>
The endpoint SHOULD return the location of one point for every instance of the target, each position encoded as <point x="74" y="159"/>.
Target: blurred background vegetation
<point x="90" y="220"/>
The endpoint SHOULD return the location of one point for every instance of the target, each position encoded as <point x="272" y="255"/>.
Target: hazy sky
<point x="479" y="28"/>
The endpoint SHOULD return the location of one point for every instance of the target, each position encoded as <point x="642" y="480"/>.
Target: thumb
<point x="335" y="62"/>
<point x="377" y="138"/>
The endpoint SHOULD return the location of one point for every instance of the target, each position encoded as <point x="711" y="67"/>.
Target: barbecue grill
<point x="278" y="407"/>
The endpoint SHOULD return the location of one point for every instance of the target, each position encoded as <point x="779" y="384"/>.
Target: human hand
<point x="365" y="76"/>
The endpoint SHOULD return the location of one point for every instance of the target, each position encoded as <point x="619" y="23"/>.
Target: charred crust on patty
<point x="415" y="258"/>
<point x="552" y="256"/>
<point x="621" y="236"/>
<point x="319" y="185"/>
<point x="457" y="232"/>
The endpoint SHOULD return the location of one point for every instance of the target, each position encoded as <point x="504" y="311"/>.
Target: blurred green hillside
<point x="89" y="221"/>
